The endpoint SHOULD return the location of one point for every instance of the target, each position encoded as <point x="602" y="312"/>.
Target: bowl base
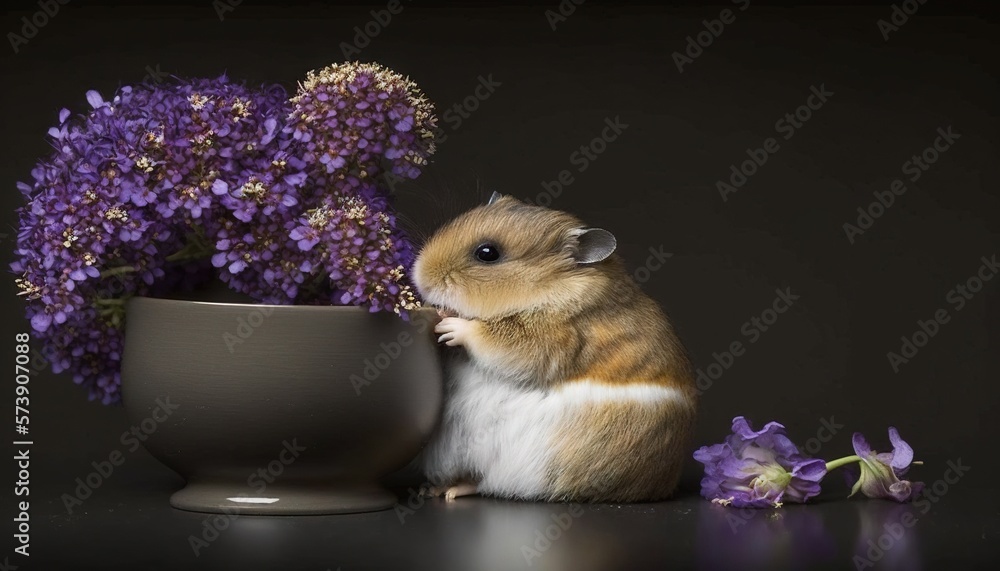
<point x="282" y="499"/>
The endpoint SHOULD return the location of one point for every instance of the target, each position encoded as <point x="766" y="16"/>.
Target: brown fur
<point x="621" y="452"/>
<point x="539" y="313"/>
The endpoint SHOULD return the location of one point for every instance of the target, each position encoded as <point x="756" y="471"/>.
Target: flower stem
<point x="196" y="248"/>
<point x="117" y="271"/>
<point x="833" y="464"/>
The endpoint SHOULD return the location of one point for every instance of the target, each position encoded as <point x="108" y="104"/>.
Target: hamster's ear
<point x="594" y="245"/>
<point x="494" y="197"/>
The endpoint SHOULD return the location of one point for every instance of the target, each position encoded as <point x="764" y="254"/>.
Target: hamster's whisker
<point x="418" y="236"/>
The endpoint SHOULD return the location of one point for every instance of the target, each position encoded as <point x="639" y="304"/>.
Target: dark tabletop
<point x="128" y="524"/>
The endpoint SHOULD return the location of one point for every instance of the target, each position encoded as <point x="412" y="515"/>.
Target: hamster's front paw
<point x="454" y="331"/>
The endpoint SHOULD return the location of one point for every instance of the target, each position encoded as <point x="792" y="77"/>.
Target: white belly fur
<point x="500" y="434"/>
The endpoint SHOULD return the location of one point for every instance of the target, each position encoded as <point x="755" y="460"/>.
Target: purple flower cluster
<point x="147" y="191"/>
<point x="322" y="195"/>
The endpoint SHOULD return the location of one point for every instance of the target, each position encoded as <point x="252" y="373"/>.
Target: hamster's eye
<point x="487" y="253"/>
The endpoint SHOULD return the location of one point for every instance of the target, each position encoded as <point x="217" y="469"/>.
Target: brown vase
<point x="283" y="410"/>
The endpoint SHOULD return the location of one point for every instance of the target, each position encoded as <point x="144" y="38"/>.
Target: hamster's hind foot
<point x="449" y="493"/>
<point x="460" y="490"/>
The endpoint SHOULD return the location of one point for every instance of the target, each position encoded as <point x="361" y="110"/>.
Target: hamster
<point x="567" y="383"/>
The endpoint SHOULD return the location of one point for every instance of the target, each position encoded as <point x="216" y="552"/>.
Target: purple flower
<point x="880" y="472"/>
<point x="758" y="468"/>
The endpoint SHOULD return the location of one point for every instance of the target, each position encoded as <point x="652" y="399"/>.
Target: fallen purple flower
<point x="758" y="469"/>
<point x="880" y="472"/>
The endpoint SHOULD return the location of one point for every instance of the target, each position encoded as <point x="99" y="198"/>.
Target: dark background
<point x="824" y="359"/>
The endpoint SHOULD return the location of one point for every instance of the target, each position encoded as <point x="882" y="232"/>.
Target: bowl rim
<point x="221" y="304"/>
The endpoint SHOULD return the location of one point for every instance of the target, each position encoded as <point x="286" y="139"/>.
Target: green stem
<point x="117" y="271"/>
<point x="189" y="252"/>
<point x="196" y="248"/>
<point x="833" y="464"/>
<point x="109" y="301"/>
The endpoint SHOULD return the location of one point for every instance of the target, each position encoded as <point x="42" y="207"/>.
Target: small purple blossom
<point x="758" y="468"/>
<point x="880" y="472"/>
